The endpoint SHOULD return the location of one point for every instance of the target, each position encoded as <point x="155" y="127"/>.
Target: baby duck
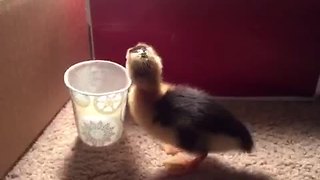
<point x="187" y="120"/>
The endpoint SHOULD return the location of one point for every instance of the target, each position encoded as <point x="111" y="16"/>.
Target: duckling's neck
<point x="149" y="90"/>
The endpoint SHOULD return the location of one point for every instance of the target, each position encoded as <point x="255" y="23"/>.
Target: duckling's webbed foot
<point x="183" y="163"/>
<point x="170" y="149"/>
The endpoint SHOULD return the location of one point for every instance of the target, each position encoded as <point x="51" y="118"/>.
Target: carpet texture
<point x="287" y="136"/>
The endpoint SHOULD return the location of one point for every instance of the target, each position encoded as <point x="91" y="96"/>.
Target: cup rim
<point x="67" y="83"/>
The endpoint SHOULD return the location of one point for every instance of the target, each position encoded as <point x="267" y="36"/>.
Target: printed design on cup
<point x="80" y="99"/>
<point x="99" y="134"/>
<point x="109" y="103"/>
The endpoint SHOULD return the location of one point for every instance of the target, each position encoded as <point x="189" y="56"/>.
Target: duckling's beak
<point x="137" y="48"/>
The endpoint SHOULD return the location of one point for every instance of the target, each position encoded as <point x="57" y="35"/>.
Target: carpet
<point x="287" y="136"/>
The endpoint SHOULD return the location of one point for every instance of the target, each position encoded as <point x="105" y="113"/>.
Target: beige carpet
<point x="287" y="147"/>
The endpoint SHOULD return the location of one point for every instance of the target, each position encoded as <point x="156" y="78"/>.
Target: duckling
<point x="186" y="120"/>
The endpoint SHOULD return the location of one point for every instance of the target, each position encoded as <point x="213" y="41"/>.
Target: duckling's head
<point x="144" y="65"/>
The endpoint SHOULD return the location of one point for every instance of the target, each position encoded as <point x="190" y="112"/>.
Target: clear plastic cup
<point x="98" y="90"/>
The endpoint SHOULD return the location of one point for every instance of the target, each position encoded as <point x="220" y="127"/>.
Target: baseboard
<point x="271" y="98"/>
<point x="317" y="93"/>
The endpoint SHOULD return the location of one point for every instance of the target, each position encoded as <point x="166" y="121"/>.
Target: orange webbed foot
<point x="183" y="163"/>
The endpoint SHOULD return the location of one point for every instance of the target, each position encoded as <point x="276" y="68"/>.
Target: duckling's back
<point x="201" y="124"/>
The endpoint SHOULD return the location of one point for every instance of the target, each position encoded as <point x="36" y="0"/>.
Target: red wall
<point x="229" y="47"/>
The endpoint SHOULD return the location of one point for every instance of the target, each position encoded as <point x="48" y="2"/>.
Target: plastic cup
<point x="98" y="90"/>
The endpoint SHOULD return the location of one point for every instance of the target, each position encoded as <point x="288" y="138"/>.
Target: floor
<point x="287" y="136"/>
